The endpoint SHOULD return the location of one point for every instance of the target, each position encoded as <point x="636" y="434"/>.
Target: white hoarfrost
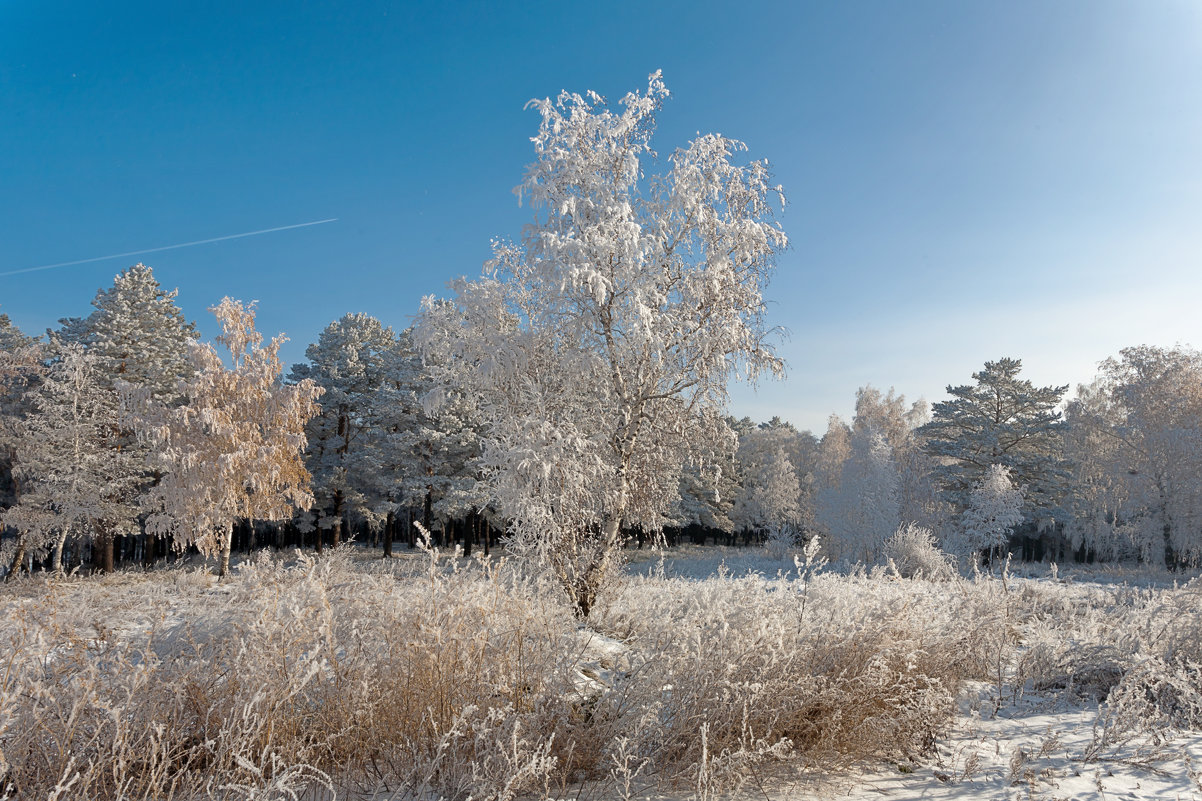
<point x="598" y="349"/>
<point x="994" y="509"/>
<point x="233" y="449"/>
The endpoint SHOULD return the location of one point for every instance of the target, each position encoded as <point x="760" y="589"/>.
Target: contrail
<point x="168" y="247"/>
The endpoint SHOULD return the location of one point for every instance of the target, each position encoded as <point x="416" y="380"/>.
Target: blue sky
<point x="965" y="180"/>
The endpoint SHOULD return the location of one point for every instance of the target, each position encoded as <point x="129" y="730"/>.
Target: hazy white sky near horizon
<point x="965" y="181"/>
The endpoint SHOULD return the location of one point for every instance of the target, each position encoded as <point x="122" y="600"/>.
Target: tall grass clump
<point x="290" y="678"/>
<point x="913" y="552"/>
<point x="728" y="672"/>
<point x="1135" y="651"/>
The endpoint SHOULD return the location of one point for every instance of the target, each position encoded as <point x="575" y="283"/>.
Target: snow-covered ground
<point x="1034" y="749"/>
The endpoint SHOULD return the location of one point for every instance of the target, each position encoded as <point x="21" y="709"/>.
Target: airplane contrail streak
<point x="168" y="247"/>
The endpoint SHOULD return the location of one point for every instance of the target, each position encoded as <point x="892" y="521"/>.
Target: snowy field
<point x="702" y="673"/>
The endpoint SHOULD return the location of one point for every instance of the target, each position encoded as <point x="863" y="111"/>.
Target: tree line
<point x="122" y="436"/>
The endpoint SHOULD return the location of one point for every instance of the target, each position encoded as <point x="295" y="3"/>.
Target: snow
<point x="1031" y="749"/>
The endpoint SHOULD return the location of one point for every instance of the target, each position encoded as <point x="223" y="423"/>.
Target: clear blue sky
<point x="966" y="180"/>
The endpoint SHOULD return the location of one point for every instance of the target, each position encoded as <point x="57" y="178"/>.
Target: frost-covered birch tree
<point x="994" y="509"/>
<point x="599" y="348"/>
<point x="887" y="413"/>
<point x="1137" y="433"/>
<point x="233" y="449"/>
<point x="75" y="475"/>
<point x="861" y="510"/>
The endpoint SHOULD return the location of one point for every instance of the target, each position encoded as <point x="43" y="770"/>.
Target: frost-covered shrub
<point x="914" y="554"/>
<point x="825" y="669"/>
<point x="1155" y="696"/>
<point x="781" y="542"/>
<point x="1158" y="634"/>
<point x="1085" y="670"/>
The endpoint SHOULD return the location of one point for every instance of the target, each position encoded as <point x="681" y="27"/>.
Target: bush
<point x="914" y="554"/>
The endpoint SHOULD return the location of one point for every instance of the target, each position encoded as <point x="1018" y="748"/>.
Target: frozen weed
<point x="913" y="553"/>
<point x="832" y="670"/>
<point x="291" y="677"/>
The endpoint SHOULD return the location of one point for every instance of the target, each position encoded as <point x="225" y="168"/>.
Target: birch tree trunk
<point x="18" y="557"/>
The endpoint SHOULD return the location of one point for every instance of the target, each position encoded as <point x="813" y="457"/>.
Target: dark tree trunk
<point x="389" y="522"/>
<point x="102" y="551"/>
<point x="427" y="520"/>
<point x="1170" y="555"/>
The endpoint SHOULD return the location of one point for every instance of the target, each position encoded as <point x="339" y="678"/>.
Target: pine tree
<point x="768" y="499"/>
<point x="138" y="336"/>
<point x="21" y="369"/>
<point x="351" y="362"/>
<point x="707" y="495"/>
<point x="75" y="474"/>
<point x="12" y="339"/>
<point x="20" y="365"/>
<point x="434" y="447"/>
<point x="1002" y="420"/>
<point x="137" y="333"/>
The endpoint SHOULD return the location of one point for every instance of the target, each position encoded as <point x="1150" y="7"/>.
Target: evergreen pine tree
<point x="136" y="336"/>
<point x="1001" y="420"/>
<point x="351" y="361"/>
<point x="77" y="478"/>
